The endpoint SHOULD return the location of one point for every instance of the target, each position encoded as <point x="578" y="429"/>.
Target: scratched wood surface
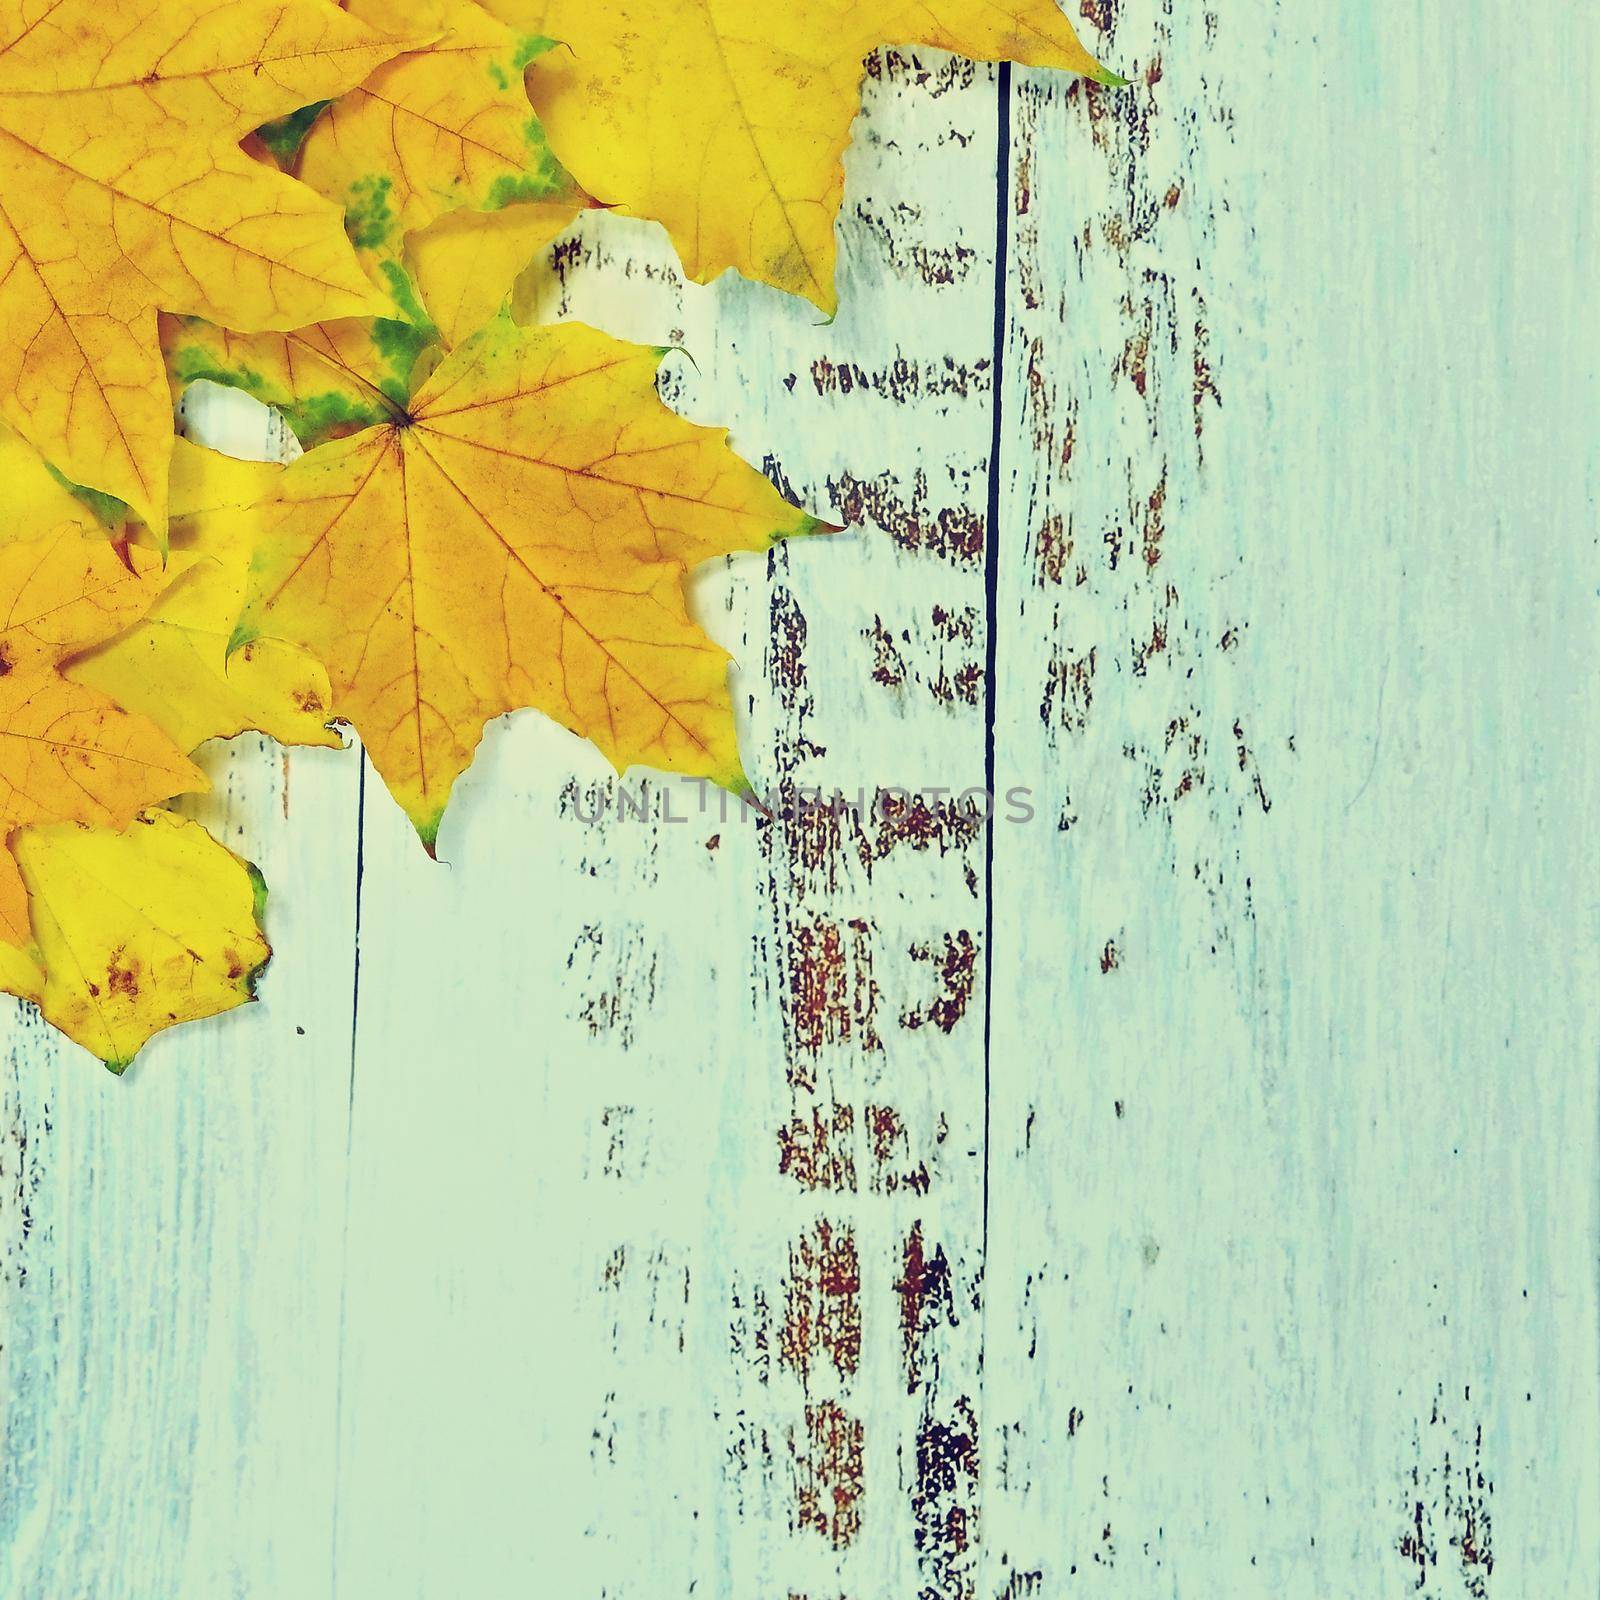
<point x="1183" y="1183"/>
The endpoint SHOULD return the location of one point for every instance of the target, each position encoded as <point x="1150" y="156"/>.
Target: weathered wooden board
<point x="1188" y="1188"/>
<point x="1290" y="1283"/>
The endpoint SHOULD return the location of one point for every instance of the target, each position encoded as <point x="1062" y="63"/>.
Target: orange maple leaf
<point x="67" y="752"/>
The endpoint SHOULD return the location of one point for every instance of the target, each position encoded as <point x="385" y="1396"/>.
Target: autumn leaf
<point x="137" y="929"/>
<point x="431" y="132"/>
<point x="729" y="123"/>
<point x="36" y="499"/>
<point x="279" y="141"/>
<point x="517" y="534"/>
<point x="467" y="263"/>
<point x="123" y="190"/>
<point x="328" y="380"/>
<point x="67" y="752"/>
<point x="173" y="665"/>
<point x="123" y="928"/>
<point x="21" y="969"/>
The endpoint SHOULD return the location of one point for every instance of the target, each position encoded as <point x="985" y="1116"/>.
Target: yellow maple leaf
<point x="728" y="122"/>
<point x="429" y="133"/>
<point x="137" y="929"/>
<point x="517" y="535"/>
<point x="328" y="380"/>
<point x="123" y="190"/>
<point x="465" y="264"/>
<point x="173" y="665"/>
<point x="67" y="753"/>
<point x="35" y="500"/>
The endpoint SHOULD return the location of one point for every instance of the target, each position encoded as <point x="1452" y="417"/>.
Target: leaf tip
<point x="427" y="827"/>
<point x="738" y="785"/>
<point x="660" y="352"/>
<point x="244" y="633"/>
<point x="809" y="526"/>
<point x="824" y="296"/>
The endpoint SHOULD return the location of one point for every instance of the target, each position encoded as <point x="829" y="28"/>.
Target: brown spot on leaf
<point x="122" y="976"/>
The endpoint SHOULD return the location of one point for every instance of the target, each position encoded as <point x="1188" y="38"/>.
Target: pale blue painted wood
<point x="1291" y="1134"/>
<point x="1291" y="1286"/>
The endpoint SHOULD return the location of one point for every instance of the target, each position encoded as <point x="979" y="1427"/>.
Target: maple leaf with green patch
<point x="446" y="180"/>
<point x="516" y="533"/>
<point x="728" y="123"/>
<point x="123" y="191"/>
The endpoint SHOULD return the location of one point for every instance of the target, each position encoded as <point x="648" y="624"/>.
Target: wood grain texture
<point x="1188" y="1190"/>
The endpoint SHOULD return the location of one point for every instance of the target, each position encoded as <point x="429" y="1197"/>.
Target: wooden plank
<point x="614" y="1312"/>
<point x="170" y="1240"/>
<point x="1291" y="1284"/>
<point x="646" y="1257"/>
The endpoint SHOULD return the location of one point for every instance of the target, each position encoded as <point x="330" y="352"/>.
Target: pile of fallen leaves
<point x="328" y="208"/>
